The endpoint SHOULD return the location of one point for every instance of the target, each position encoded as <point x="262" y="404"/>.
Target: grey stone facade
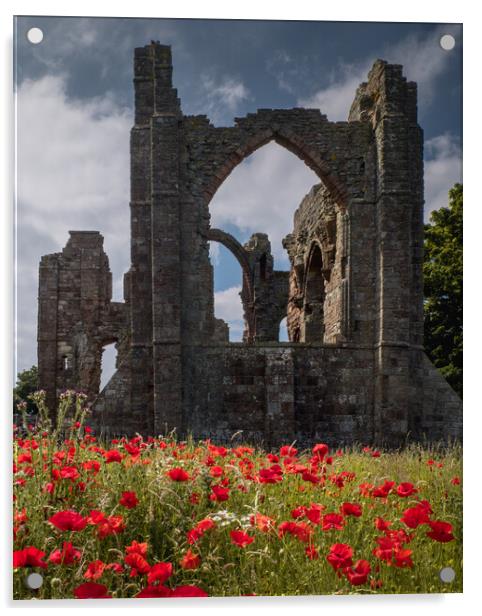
<point x="354" y="369"/>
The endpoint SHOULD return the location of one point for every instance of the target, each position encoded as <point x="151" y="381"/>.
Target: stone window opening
<point x="66" y="362"/>
<point x="108" y="363"/>
<point x="314" y="298"/>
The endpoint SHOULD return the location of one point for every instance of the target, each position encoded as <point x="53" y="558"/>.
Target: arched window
<point x="314" y="298"/>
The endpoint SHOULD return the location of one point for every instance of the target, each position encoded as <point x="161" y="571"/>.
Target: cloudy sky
<point x="75" y="110"/>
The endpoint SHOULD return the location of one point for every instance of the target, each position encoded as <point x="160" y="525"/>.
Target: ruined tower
<point x="354" y="369"/>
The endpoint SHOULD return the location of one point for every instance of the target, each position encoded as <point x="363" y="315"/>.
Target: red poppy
<point x="300" y="530"/>
<point x="241" y="539"/>
<point x="299" y="512"/>
<point x="95" y="570"/>
<point x="113" y="455"/>
<point x="382" y="524"/>
<point x="415" y="516"/>
<point x="160" y="572"/>
<point x="333" y="521"/>
<point x="287" y="450"/>
<point x="69" y="472"/>
<point x="406" y="489"/>
<point x="358" y="574"/>
<point x="137" y="548"/>
<point x="314" y="513"/>
<point x="403" y="558"/>
<point x="29" y="557"/>
<point x="95" y="517"/>
<point x="273" y="474"/>
<point x="366" y="489"/>
<point x="384" y="490"/>
<point x="311" y="477"/>
<point x="112" y="525"/>
<point x="219" y="494"/>
<point x="68" y="520"/>
<point x="216" y="471"/>
<point x="91" y="590"/>
<point x="129" y="500"/>
<point x="455" y="481"/>
<point x="154" y="592"/>
<point x="320" y="450"/>
<point x="66" y="556"/>
<point x="440" y="531"/>
<point x="178" y="474"/>
<point x="190" y="560"/>
<point x="351" y="509"/>
<point x="340" y="556"/>
<point x="137" y="563"/>
<point x="262" y="522"/>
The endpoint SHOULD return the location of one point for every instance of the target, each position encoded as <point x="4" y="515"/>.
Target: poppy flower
<point x="178" y="474"/>
<point x="241" y="539"/>
<point x="320" y="450"/>
<point x="300" y="530"/>
<point x="68" y="520"/>
<point x="91" y="590"/>
<point x="358" y="574"/>
<point x="314" y="513"/>
<point x="332" y="521"/>
<point x="69" y="472"/>
<point x="95" y="517"/>
<point x="299" y="512"/>
<point x="274" y="474"/>
<point x="66" y="556"/>
<point x="353" y="509"/>
<point x="216" y="471"/>
<point x="384" y="490"/>
<point x="382" y="524"/>
<point x="406" y="489"/>
<point x="190" y="560"/>
<point x="219" y="494"/>
<point x="154" y="592"/>
<point x="262" y="522"/>
<point x="129" y="500"/>
<point x="112" y="456"/>
<point x="95" y="570"/>
<point x="29" y="557"/>
<point x="137" y="563"/>
<point x="112" y="525"/>
<point x="287" y="450"/>
<point x="455" y="481"/>
<point x="415" y="516"/>
<point x="340" y="556"/>
<point x="440" y="531"/>
<point x="402" y="558"/>
<point x="137" y="548"/>
<point x="160" y="572"/>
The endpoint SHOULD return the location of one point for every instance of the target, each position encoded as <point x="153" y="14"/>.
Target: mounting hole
<point x="35" y="36"/>
<point x="447" y="575"/>
<point x="447" y="42"/>
<point x="34" y="581"/>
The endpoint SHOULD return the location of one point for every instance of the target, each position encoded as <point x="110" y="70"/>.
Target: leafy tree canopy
<point x="27" y="383"/>
<point x="443" y="269"/>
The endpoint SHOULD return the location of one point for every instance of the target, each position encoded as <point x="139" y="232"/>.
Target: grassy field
<point x="160" y="518"/>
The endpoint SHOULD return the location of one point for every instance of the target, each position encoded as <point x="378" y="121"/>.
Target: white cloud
<point x="423" y="61"/>
<point x="262" y="194"/>
<point x="443" y="168"/>
<point x="221" y="98"/>
<point x="72" y="173"/>
<point x="228" y="306"/>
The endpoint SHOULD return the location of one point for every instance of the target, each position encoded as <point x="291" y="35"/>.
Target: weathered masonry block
<point x="354" y="368"/>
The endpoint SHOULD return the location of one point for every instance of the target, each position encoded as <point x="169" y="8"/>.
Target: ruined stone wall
<point x="76" y="316"/>
<point x="355" y="368"/>
<point x="279" y="393"/>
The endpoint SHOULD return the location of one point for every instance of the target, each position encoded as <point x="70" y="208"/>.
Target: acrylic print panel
<point x="242" y="384"/>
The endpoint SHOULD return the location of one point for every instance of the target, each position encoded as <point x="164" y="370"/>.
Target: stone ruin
<point x="354" y="369"/>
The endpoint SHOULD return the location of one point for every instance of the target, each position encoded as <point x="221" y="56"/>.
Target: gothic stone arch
<point x="367" y="379"/>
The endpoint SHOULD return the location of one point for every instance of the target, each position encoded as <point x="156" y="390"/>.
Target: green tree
<point x="443" y="266"/>
<point x="27" y="383"/>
